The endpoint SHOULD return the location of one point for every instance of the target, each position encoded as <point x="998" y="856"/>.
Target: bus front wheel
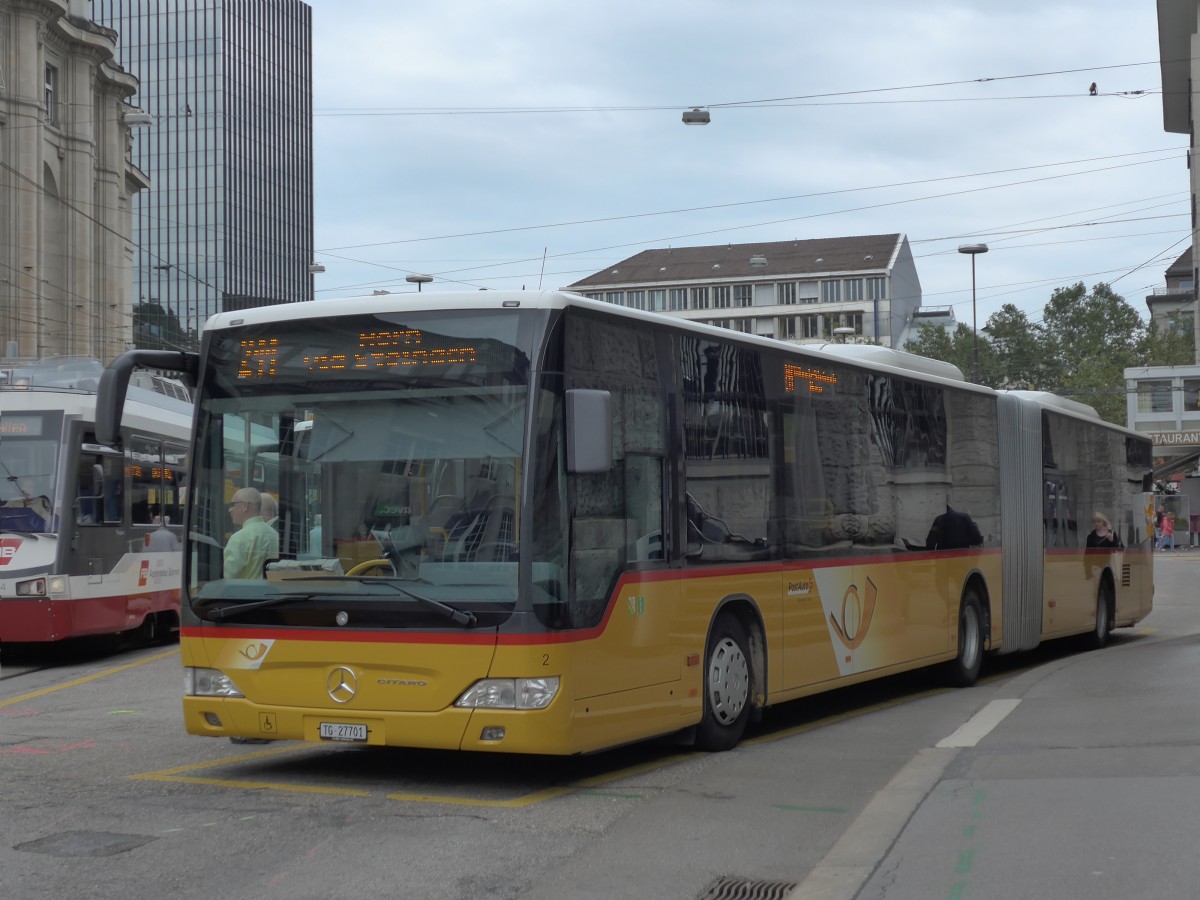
<point x="727" y="686"/>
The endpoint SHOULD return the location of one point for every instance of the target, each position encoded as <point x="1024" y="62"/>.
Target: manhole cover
<point x="85" y="843"/>
<point x="746" y="889"/>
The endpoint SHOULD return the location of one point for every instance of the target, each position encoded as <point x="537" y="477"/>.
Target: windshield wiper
<point x="454" y="614"/>
<point x="224" y="612"/>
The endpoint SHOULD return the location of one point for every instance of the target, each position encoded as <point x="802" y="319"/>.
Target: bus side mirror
<point x="589" y="431"/>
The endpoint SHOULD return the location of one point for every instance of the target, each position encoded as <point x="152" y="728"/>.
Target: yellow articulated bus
<point x="538" y="523"/>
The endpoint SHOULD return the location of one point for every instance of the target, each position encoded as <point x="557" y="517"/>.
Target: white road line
<point x="850" y="862"/>
<point x="980" y="725"/>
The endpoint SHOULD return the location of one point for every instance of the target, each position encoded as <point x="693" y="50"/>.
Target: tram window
<point x="145" y="466"/>
<point x="100" y="494"/>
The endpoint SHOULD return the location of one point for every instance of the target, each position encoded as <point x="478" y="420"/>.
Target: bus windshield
<point x="28" y="459"/>
<point x="393" y="488"/>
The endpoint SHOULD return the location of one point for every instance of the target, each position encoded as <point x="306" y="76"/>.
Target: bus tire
<point x="967" y="663"/>
<point x="728" y="685"/>
<point x="1098" y="639"/>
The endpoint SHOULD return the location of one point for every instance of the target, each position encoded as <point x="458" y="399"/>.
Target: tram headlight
<point x="510" y="693"/>
<point x="199" y="682"/>
<point x="34" y="587"/>
<point x="58" y="585"/>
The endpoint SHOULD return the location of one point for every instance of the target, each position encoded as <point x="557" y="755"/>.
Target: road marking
<point x="852" y="859"/>
<point x="104" y="673"/>
<point x="980" y="725"/>
<point x="180" y="774"/>
<point x="553" y="793"/>
<point x="176" y="774"/>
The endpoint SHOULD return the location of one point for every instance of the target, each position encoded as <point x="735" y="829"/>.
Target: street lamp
<point x="418" y="280"/>
<point x="974" y="250"/>
<point x="696" y="116"/>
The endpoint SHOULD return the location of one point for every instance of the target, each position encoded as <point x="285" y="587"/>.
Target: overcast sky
<point x="828" y="120"/>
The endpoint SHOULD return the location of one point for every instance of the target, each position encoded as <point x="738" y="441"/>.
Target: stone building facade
<point x="65" y="183"/>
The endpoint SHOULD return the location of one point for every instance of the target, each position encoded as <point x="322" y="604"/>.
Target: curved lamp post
<point x="974" y="250"/>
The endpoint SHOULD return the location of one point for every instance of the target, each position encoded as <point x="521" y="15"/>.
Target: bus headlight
<point x="199" y="682"/>
<point x="510" y="693"/>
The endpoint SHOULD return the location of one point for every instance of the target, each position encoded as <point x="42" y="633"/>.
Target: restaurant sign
<point x="1174" y="438"/>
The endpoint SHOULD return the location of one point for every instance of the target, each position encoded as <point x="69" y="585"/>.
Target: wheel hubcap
<point x="728" y="681"/>
<point x="970" y="637"/>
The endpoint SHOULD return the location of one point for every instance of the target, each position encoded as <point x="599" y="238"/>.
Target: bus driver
<point x="254" y="542"/>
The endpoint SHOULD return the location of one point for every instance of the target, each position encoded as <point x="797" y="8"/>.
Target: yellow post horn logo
<point x="849" y="634"/>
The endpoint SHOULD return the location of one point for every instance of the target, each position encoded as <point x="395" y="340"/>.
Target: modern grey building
<point x="228" y="220"/>
<point x="806" y="291"/>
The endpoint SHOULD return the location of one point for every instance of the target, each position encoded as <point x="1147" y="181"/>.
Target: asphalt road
<point x="1078" y="781"/>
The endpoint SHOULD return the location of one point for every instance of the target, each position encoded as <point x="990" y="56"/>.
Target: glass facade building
<point x="228" y="220"/>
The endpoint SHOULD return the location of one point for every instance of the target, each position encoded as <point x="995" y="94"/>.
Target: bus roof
<point x="862" y="355"/>
<point x="866" y="355"/>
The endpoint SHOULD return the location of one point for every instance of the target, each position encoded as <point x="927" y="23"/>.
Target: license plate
<point x="342" y="731"/>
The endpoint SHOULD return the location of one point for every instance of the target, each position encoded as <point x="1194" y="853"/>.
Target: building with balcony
<point x="228" y="220"/>
<point x="66" y="184"/>
<point x="1174" y="306"/>
<point x="1180" y="70"/>
<point x="801" y="291"/>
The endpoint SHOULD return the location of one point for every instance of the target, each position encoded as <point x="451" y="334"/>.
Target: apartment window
<point x="810" y="326"/>
<point x="678" y="298"/>
<point x="853" y="289"/>
<point x="636" y="300"/>
<point x="1154" y="396"/>
<point x="876" y="288"/>
<point x="720" y="297"/>
<point x="743" y="295"/>
<point x="720" y="323"/>
<point x="787" y="328"/>
<point x="746" y="326"/>
<point x="785" y="293"/>
<point x="658" y="300"/>
<point x="594" y="296"/>
<point x="617" y="297"/>
<point x="831" y="291"/>
<point x="700" y="298"/>
<point x="1191" y="395"/>
<point x="51" y="94"/>
<point x="850" y="320"/>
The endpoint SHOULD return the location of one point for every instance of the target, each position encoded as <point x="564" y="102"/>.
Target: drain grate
<point x="85" y="843"/>
<point x="746" y="889"/>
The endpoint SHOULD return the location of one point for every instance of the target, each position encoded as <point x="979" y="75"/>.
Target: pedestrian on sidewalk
<point x="1168" y="532"/>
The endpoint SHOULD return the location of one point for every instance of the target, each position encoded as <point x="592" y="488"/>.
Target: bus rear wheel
<point x="727" y="686"/>
<point x="966" y="666"/>
<point x="1098" y="639"/>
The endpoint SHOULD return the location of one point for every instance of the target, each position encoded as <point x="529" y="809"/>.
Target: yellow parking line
<point x="42" y="692"/>
<point x="547" y="793"/>
<point x="254" y="785"/>
<point x="176" y="774"/>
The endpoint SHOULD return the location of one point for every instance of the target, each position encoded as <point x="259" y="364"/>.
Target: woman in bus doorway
<point x="1102" y="534"/>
